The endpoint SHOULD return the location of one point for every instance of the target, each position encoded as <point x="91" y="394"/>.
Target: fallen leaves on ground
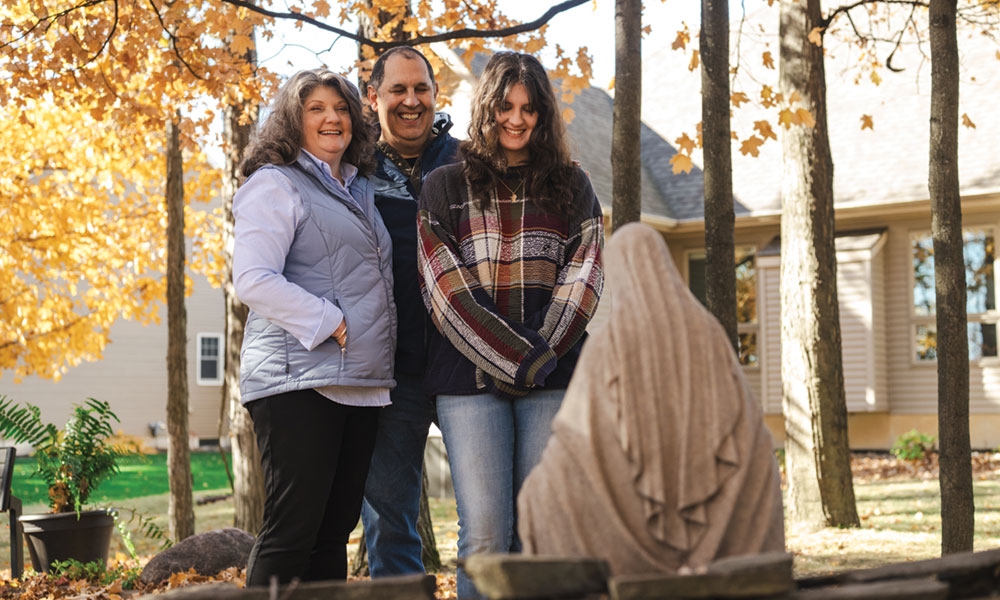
<point x="866" y="467"/>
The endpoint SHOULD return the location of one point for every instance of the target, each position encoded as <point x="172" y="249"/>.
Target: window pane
<point x="979" y="254"/>
<point x="746" y="282"/>
<point x="748" y="349"/>
<point x="209" y="369"/>
<point x="926" y="342"/>
<point x="210" y="346"/>
<point x="746" y="287"/>
<point x="982" y="341"/>
<point x="923" y="276"/>
<point x="979" y="249"/>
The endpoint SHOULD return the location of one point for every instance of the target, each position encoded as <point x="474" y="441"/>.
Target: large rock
<point x="207" y="553"/>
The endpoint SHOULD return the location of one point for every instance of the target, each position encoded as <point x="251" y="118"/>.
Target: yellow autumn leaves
<point x="83" y="232"/>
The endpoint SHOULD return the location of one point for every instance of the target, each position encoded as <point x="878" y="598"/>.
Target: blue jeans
<point x="492" y="445"/>
<point x="395" y="478"/>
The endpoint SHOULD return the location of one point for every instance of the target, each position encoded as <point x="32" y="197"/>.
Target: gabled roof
<point x="888" y="164"/>
<point x="884" y="165"/>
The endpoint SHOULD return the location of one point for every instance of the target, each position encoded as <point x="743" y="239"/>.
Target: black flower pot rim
<point x="55" y="521"/>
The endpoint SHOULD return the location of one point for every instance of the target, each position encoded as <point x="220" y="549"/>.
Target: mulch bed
<point x="867" y="467"/>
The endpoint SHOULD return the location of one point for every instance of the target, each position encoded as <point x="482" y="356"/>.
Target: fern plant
<point x="73" y="461"/>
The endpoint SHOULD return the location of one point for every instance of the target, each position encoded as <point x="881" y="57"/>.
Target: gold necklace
<point x="517" y="189"/>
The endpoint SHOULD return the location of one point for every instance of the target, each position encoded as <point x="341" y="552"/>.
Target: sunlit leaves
<point x="866" y="122"/>
<point x="767" y="60"/>
<point x="83" y="232"/>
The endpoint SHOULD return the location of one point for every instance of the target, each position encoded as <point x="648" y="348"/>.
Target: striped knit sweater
<point x="511" y="289"/>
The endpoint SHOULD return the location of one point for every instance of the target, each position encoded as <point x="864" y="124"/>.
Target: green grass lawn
<point x="139" y="476"/>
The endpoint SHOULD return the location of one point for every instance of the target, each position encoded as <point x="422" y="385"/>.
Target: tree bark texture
<point x="626" y="151"/>
<point x="181" y="507"/>
<point x="817" y="456"/>
<point x="248" y="476"/>
<point x="955" y="474"/>
<point x="720" y="264"/>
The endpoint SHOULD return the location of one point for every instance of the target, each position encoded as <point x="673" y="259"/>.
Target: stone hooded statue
<point x="659" y="459"/>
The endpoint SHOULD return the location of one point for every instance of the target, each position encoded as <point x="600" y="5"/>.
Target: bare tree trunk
<point x="820" y="489"/>
<point x="720" y="264"/>
<point x="181" y="508"/>
<point x="248" y="477"/>
<point x="626" y="148"/>
<point x="957" y="506"/>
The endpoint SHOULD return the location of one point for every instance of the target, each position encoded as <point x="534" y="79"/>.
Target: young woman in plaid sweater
<point x="510" y="261"/>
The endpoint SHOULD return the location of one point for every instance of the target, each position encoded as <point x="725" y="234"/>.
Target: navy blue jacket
<point x="396" y="200"/>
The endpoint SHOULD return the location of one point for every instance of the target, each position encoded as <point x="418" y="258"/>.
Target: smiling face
<point x="404" y="102"/>
<point x="516" y="119"/>
<point x="326" y="126"/>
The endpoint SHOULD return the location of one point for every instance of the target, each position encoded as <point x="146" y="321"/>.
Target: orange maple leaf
<point x="786" y="118"/>
<point x="805" y="117"/>
<point x="867" y="123"/>
<point x="768" y="60"/>
<point x="751" y="146"/>
<point x="764" y="129"/>
<point x="739" y="98"/>
<point x="767" y="98"/>
<point x="240" y="44"/>
<point x="681" y="163"/>
<point x="967" y="122"/>
<point x="694" y="61"/>
<point x="682" y="39"/>
<point x="685" y="144"/>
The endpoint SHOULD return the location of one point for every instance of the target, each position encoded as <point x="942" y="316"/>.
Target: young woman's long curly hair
<point x="548" y="177"/>
<point x="279" y="138"/>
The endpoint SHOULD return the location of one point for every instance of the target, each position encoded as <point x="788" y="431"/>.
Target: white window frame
<point x="990" y="317"/>
<point x="221" y="358"/>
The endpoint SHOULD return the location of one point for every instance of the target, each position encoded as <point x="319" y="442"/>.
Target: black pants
<point x="315" y="455"/>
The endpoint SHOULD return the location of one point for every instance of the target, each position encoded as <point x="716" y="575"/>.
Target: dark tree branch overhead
<point x="457" y="34"/>
<point x="846" y="8"/>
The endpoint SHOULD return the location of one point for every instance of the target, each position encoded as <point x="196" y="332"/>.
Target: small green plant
<point x="73" y="461"/>
<point x="95" y="572"/>
<point x="146" y="526"/>
<point x="913" y="446"/>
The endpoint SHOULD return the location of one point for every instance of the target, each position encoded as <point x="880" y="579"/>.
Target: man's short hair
<point x="378" y="71"/>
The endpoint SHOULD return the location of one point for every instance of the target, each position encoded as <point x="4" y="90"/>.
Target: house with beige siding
<point x="883" y="219"/>
<point x="132" y="375"/>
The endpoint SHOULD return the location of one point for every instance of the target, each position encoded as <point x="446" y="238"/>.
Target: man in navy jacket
<point x="413" y="141"/>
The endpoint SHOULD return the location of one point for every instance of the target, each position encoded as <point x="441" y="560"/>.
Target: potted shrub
<point x="73" y="461"/>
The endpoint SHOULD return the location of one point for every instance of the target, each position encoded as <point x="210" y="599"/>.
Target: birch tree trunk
<point x="817" y="456"/>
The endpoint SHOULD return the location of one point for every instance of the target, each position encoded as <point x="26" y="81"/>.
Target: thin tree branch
<point x="417" y="40"/>
<point x="49" y="20"/>
<point x="899" y="42"/>
<point x="173" y="42"/>
<point x="826" y="21"/>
